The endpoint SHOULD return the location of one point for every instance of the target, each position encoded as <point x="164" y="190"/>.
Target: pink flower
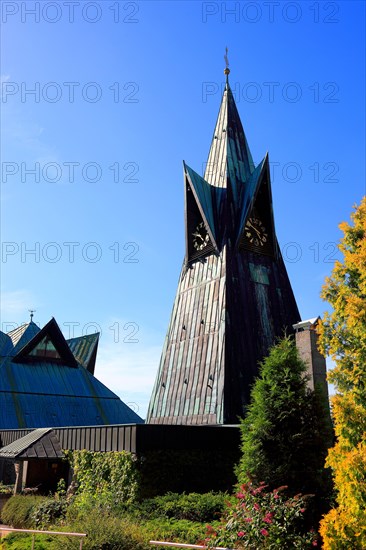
<point x="241" y="534"/>
<point x="264" y="532"/>
<point x="256" y="506"/>
<point x="268" y="517"/>
<point x="314" y="543"/>
<point x="248" y="520"/>
<point x="302" y="510"/>
<point x="240" y="495"/>
<point x="258" y="490"/>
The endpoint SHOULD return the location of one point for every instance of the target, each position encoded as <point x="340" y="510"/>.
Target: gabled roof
<point x="21" y="336"/>
<point x="51" y="331"/>
<point x="48" y="386"/>
<point x="40" y="443"/>
<point x="84" y="349"/>
<point x="250" y="192"/>
<point x="307" y="324"/>
<point x="205" y="200"/>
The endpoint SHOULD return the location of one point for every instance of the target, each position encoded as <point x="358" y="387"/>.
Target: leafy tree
<point x="343" y="337"/>
<point x="287" y="431"/>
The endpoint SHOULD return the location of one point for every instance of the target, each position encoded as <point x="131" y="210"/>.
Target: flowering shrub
<point x="263" y="519"/>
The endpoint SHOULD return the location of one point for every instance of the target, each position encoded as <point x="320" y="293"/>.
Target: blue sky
<point x="122" y="93"/>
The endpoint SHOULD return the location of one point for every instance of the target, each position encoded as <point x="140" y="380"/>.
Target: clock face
<point x="255" y="232"/>
<point x="200" y="237"/>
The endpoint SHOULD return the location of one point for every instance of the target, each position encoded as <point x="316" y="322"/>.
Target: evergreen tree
<point x="343" y="336"/>
<point x="287" y="430"/>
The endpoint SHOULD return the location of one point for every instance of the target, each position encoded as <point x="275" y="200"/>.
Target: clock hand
<point x="198" y="235"/>
<point x="255" y="229"/>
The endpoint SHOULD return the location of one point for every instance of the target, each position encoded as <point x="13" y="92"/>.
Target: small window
<point x="45" y="349"/>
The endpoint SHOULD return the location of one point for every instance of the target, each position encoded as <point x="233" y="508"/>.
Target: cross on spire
<point x="226" y="70"/>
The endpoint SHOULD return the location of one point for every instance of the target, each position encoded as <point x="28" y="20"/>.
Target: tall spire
<point x="230" y="161"/>
<point x="234" y="297"/>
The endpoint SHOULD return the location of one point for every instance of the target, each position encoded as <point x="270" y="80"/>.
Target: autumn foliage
<point x="343" y="337"/>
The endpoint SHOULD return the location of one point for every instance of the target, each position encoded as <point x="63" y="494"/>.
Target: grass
<point x="18" y="541"/>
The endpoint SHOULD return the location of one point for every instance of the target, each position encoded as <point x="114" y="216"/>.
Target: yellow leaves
<point x="341" y="526"/>
<point x="341" y="531"/>
<point x="342" y="334"/>
<point x="350" y="420"/>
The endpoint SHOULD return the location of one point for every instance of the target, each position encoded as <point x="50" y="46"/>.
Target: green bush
<point x="174" y="530"/>
<point x="18" y="541"/>
<point x="193" y="506"/>
<point x="105" y="532"/>
<point x="48" y="511"/>
<point x="18" y="510"/>
<point x="133" y="530"/>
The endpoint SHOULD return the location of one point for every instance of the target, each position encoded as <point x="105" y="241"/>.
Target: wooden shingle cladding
<point x="234" y="297"/>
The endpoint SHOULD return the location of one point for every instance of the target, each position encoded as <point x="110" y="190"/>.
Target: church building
<point x="234" y="299"/>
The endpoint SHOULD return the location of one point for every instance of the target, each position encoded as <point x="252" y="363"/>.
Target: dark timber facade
<point x="234" y="296"/>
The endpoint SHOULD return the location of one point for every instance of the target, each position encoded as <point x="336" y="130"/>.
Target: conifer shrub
<point x="287" y="431"/>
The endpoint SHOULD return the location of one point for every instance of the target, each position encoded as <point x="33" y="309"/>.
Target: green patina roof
<point x="54" y="389"/>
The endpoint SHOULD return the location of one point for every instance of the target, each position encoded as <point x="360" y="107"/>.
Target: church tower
<point x="234" y="296"/>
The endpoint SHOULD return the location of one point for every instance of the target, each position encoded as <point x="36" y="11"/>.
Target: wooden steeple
<point x="234" y="296"/>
